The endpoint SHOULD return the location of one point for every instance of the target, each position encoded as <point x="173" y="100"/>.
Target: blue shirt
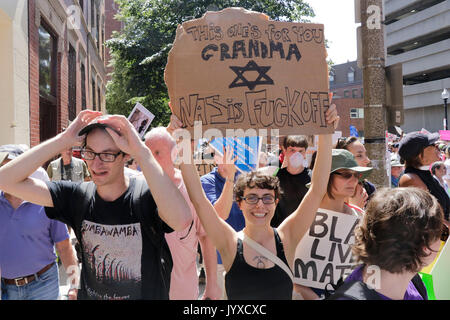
<point x="213" y="184"/>
<point x="27" y="238"/>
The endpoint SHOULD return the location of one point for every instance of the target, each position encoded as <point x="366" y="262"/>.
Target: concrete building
<point x="418" y="37"/>
<point x="347" y="87"/>
<point x="52" y="65"/>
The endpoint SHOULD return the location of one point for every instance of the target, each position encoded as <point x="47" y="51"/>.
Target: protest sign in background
<point x="324" y="253"/>
<point x="436" y="276"/>
<point x="245" y="150"/>
<point x="237" y="69"/>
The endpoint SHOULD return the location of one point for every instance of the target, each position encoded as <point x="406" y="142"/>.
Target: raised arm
<point x="221" y="234"/>
<point x="172" y="207"/>
<point x="14" y="175"/>
<point x="296" y="225"/>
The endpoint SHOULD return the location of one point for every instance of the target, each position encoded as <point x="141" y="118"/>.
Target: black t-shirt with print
<point x="117" y="261"/>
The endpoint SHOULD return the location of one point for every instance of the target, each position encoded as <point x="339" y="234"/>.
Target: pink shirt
<point x="183" y="246"/>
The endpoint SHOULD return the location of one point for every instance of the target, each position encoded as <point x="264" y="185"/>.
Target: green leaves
<point x="139" y="52"/>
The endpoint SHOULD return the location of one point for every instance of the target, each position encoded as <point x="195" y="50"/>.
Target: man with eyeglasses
<point x="119" y="259"/>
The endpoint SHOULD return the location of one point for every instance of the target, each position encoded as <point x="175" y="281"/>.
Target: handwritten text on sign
<point x="324" y="254"/>
<point x="237" y="69"/>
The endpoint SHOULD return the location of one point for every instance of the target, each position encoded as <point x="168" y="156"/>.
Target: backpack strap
<point x="355" y="290"/>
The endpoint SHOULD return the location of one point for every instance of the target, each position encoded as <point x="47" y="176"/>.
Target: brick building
<point x="347" y="87"/>
<point x="111" y="25"/>
<point x="57" y="65"/>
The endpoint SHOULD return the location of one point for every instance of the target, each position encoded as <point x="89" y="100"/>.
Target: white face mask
<point x="297" y="160"/>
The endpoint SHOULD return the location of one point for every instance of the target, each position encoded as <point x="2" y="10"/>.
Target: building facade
<point x="53" y="53"/>
<point x="418" y="37"/>
<point x="347" y="87"/>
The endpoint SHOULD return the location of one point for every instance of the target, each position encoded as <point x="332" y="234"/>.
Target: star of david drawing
<point x="241" y="81"/>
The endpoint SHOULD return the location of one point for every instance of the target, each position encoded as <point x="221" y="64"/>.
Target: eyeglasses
<point x="348" y="174"/>
<point x="104" y="156"/>
<point x="253" y="199"/>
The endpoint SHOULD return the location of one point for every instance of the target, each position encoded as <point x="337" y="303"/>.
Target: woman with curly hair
<point x="399" y="235"/>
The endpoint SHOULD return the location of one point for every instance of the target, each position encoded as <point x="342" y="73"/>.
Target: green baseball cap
<point x="344" y="159"/>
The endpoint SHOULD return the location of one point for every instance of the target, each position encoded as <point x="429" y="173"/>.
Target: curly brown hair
<point x="398" y="225"/>
<point x="256" y="179"/>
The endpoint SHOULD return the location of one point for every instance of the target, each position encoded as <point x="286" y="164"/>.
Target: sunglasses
<point x="348" y="174"/>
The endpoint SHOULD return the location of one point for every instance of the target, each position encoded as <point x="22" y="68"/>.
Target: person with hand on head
<point x="28" y="239"/>
<point x="343" y="183"/>
<point x="120" y="227"/>
<point x="251" y="274"/>
<point x="418" y="151"/>
<point x="183" y="244"/>
<point x="398" y="236"/>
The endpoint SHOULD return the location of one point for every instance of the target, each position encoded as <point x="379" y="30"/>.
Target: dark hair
<point x="436" y="165"/>
<point x="413" y="162"/>
<point x="399" y="223"/>
<point x="343" y="142"/>
<point x="255" y="179"/>
<point x="295" y="141"/>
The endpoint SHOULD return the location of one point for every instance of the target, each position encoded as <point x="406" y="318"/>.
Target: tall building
<point x="347" y="87"/>
<point x="418" y="37"/>
<point x="52" y="64"/>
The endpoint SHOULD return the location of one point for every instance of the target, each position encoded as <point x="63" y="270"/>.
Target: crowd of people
<point x="142" y="223"/>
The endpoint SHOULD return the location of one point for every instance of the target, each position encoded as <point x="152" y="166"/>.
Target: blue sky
<point x="338" y="16"/>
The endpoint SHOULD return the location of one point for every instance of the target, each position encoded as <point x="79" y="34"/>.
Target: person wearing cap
<point x="396" y="171"/>
<point x="68" y="168"/>
<point x="120" y="257"/>
<point x="342" y="183"/>
<point x="418" y="151"/>
<point x="251" y="274"/>
<point x="354" y="145"/>
<point x="28" y="239"/>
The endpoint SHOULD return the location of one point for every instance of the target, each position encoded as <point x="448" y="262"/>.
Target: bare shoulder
<point x="412" y="180"/>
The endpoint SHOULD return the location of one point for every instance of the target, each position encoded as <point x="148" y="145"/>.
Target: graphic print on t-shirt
<point x="112" y="260"/>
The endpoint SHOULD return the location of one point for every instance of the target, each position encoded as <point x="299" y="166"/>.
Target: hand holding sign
<point x="237" y="69"/>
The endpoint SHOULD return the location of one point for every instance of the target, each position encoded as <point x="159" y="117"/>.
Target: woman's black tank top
<point x="244" y="282"/>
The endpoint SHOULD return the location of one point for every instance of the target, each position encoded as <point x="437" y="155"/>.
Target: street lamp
<point x="444" y="96"/>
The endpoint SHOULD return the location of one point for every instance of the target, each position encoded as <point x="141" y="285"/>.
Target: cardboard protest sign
<point x="245" y="149"/>
<point x="237" y="69"/>
<point x="436" y="277"/>
<point x="444" y="135"/>
<point x="140" y="118"/>
<point x="324" y="253"/>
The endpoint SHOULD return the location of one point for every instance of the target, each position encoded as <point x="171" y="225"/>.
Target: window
<point x="72" y="105"/>
<point x="47" y="63"/>
<point x="346" y="94"/>
<point x="83" y="87"/>
<point x="81" y="4"/>
<point x="92" y="14"/>
<point x="354" y="93"/>
<point x="362" y="93"/>
<point x="94" y="106"/>
<point x="99" y="104"/>
<point x="357" y="113"/>
<point x="351" y="76"/>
